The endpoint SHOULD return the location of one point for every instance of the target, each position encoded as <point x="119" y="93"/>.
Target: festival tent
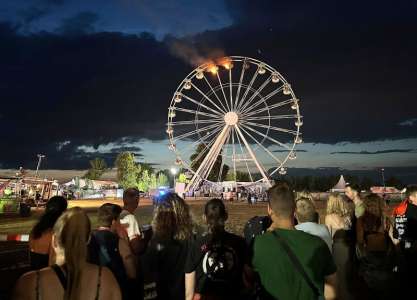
<point x="340" y="185"/>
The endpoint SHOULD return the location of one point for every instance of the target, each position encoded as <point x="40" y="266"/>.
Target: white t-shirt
<point x="319" y="230"/>
<point x="129" y="221"/>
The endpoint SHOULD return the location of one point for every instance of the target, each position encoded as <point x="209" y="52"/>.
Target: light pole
<point x="40" y="156"/>
<point x="383" y="178"/>
<point x="174" y="172"/>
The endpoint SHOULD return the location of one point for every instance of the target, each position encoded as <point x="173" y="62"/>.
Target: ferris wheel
<point x="240" y="115"/>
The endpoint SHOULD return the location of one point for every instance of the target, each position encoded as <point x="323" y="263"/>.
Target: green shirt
<point x="359" y="209"/>
<point x="277" y="273"/>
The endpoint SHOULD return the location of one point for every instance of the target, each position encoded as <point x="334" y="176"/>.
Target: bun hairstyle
<point x="55" y="206"/>
<point x="216" y="215"/>
<point x="72" y="232"/>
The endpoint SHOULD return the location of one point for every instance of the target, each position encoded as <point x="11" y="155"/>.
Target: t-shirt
<point x="319" y="230"/>
<point x="359" y="209"/>
<point x="162" y="267"/>
<point x="278" y="275"/>
<point x="201" y="258"/>
<point x="130" y="223"/>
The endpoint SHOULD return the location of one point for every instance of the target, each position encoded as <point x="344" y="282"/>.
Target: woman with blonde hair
<point x="71" y="277"/>
<point x="338" y="221"/>
<point x="163" y="263"/>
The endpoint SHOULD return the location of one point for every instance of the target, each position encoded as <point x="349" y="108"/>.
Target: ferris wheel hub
<point x="231" y="118"/>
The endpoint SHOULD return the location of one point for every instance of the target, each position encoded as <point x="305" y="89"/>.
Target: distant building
<point x="385" y="190"/>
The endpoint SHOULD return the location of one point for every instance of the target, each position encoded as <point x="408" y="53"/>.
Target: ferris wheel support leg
<point x="253" y="155"/>
<point x="207" y="164"/>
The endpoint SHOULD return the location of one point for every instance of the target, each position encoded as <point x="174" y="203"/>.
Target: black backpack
<point x="255" y="226"/>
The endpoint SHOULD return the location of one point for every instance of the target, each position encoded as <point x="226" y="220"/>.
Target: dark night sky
<point x="80" y="79"/>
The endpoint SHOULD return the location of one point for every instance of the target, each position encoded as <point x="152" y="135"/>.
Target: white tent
<point x="340" y="185"/>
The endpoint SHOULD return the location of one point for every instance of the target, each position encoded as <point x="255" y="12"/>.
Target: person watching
<point x="107" y="249"/>
<point x="128" y="219"/>
<point x="352" y="191"/>
<point x="41" y="253"/>
<point x="71" y="278"/>
<point x="292" y="264"/>
<point x="308" y="218"/>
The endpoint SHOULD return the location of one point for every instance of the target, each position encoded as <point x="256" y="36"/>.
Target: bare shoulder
<point x="25" y="286"/>
<point x="109" y="284"/>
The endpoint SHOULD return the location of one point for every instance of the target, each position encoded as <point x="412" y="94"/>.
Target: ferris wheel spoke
<point x="198" y="121"/>
<point x="242" y="73"/>
<point x="215" y="94"/>
<point x="271" y="127"/>
<point x="243" y="154"/>
<point x="241" y="101"/>
<point x="257" y="163"/>
<point x="205" y="96"/>
<point x="262" y="100"/>
<point x="230" y="88"/>
<point x="193" y="132"/>
<point x="221" y="87"/>
<point x="195" y="143"/>
<point x="260" y="118"/>
<point x="223" y="156"/>
<point x="202" y="105"/>
<point x="194" y="112"/>
<point x="267" y="137"/>
<point x="234" y="153"/>
<point x="270" y="107"/>
<point x="204" y="152"/>
<point x="257" y="92"/>
<point x="263" y="147"/>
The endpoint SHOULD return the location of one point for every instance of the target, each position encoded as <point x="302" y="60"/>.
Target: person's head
<point x="55" y="206"/>
<point x="215" y="215"/>
<point x="131" y="199"/>
<point x="108" y="214"/>
<point x="352" y="191"/>
<point x="411" y="193"/>
<point x="172" y="218"/>
<point x="304" y="194"/>
<point x="281" y="202"/>
<point x="337" y="205"/>
<point x="374" y="212"/>
<point x="70" y="238"/>
<point x="305" y="211"/>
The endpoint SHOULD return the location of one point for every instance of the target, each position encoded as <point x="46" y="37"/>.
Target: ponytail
<point x="72" y="231"/>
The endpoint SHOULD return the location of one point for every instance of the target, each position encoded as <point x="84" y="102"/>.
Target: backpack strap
<point x="61" y="276"/>
<point x="98" y="283"/>
<point x="37" y="288"/>
<point x="297" y="264"/>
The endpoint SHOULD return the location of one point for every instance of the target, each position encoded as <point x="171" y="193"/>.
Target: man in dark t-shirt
<point x="218" y="265"/>
<point x="279" y="275"/>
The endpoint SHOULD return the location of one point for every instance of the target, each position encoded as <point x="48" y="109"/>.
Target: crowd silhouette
<point x="360" y="251"/>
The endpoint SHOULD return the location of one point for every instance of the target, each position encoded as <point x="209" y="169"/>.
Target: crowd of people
<point x="358" y="250"/>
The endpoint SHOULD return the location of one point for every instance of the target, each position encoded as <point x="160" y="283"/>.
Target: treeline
<point x="325" y="183"/>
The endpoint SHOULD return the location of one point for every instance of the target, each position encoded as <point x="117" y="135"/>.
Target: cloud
<point x="81" y="23"/>
<point x="409" y="122"/>
<point x="376" y="152"/>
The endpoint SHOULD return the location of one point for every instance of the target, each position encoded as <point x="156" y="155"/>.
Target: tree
<point x="395" y="182"/>
<point x="240" y="176"/>
<point x="197" y="158"/>
<point x="144" y="181"/>
<point x="127" y="170"/>
<point x="97" y="168"/>
<point x="182" y="178"/>
<point x="162" y="179"/>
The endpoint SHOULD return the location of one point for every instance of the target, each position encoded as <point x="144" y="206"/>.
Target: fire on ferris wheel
<point x="239" y="109"/>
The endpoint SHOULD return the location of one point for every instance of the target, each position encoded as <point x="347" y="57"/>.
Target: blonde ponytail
<point x="73" y="231"/>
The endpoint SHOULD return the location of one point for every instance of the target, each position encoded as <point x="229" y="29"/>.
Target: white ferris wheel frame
<point x="236" y="118"/>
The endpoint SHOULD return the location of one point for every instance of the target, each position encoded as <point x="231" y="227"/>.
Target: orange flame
<point x="226" y="62"/>
<point x="212" y="68"/>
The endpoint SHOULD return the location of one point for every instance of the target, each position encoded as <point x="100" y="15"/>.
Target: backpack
<point x="220" y="263"/>
<point x="255" y="226"/>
